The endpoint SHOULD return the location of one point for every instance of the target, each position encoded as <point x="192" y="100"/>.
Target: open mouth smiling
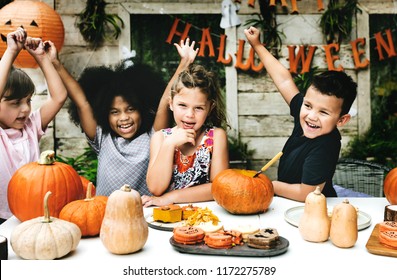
<point x="125" y="126"/>
<point x="312" y="125"/>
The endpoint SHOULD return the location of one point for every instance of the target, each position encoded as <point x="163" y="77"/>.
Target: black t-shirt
<point x="309" y="161"/>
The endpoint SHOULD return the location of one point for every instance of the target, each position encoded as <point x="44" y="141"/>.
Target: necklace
<point x="184" y="159"/>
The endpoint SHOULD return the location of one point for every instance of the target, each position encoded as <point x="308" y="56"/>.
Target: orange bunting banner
<point x="302" y="59"/>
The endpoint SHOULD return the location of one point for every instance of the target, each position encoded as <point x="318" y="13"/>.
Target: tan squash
<point x="344" y="229"/>
<point x="45" y="238"/>
<point x="314" y="225"/>
<point x="124" y="229"/>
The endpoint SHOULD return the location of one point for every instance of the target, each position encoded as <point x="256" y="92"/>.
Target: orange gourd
<point x="86" y="213"/>
<point x="85" y="183"/>
<point x="390" y="186"/>
<point x="31" y="182"/>
<point x="237" y="191"/>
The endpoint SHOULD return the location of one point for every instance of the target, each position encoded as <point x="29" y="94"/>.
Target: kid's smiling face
<point x="320" y="113"/>
<point x="15" y="112"/>
<point x="124" y="119"/>
<point x="191" y="108"/>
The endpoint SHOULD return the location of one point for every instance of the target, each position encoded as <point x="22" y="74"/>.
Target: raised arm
<point x="76" y="93"/>
<point x="15" y="43"/>
<point x="188" y="54"/>
<point x="56" y="91"/>
<point x="280" y="75"/>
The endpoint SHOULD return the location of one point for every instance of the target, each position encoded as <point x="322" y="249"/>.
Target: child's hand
<point x="32" y="44"/>
<point x="182" y="136"/>
<point x="187" y="51"/>
<point x="155" y="201"/>
<point x="51" y="51"/>
<point x="252" y="35"/>
<point x="16" y="39"/>
<point x="36" y="47"/>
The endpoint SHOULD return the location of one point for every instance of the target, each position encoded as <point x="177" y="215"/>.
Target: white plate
<point x="294" y="214"/>
<point x="160" y="225"/>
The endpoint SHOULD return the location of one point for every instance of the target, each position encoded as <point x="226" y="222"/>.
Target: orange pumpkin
<point x="85" y="183"/>
<point x="31" y="182"/>
<point x="38" y="19"/>
<point x="86" y="213"/>
<point x="237" y="191"/>
<point x="390" y="186"/>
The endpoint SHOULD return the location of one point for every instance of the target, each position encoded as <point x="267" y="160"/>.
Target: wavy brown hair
<point x="196" y="76"/>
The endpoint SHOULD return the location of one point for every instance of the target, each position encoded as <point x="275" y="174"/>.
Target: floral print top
<point x="193" y="169"/>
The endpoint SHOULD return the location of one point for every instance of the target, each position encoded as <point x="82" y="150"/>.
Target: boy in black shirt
<point x="311" y="152"/>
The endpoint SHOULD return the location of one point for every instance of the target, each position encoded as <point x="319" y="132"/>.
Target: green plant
<point x="337" y="21"/>
<point x="303" y="81"/>
<point x="94" y="23"/>
<point x="85" y="164"/>
<point x="238" y="150"/>
<point x="378" y="143"/>
<point x="266" y="21"/>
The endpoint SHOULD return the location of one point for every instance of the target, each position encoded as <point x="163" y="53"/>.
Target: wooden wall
<point x="256" y="110"/>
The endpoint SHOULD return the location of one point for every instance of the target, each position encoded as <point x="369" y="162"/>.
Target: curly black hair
<point x="140" y="85"/>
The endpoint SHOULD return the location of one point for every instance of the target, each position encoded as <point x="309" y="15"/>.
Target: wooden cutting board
<point x="375" y="247"/>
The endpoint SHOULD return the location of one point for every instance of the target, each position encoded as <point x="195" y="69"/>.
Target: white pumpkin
<point x="45" y="238"/>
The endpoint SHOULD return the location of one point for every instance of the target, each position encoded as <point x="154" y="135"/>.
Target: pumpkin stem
<point x="88" y="195"/>
<point x="346" y="201"/>
<point x="126" y="188"/>
<point x="47" y="158"/>
<point x="317" y="190"/>
<point x="47" y="218"/>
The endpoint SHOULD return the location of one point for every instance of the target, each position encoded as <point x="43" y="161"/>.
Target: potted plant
<point x="95" y="24"/>
<point x="240" y="155"/>
<point x="337" y="21"/>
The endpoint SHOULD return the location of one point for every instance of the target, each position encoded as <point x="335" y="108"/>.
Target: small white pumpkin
<point x="45" y="238"/>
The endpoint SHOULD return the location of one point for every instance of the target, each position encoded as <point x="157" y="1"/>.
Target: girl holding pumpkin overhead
<point x="186" y="158"/>
<point x="117" y="112"/>
<point x="20" y="128"/>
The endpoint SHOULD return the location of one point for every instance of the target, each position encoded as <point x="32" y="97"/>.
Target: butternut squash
<point x="124" y="229"/>
<point x="344" y="229"/>
<point x="314" y="225"/>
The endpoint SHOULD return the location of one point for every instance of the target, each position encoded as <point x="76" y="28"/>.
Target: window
<point x="150" y="32"/>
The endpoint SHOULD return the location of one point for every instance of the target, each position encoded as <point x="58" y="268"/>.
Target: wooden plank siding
<point x="255" y="108"/>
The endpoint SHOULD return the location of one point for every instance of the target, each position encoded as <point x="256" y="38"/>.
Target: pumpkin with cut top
<point x="239" y="192"/>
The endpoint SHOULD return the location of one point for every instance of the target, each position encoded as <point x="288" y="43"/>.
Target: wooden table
<point x="303" y="259"/>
